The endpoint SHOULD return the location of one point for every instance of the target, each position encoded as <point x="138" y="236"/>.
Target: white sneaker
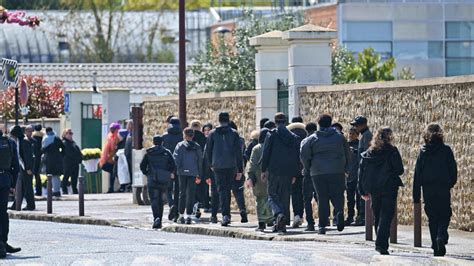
<point x="297" y="221"/>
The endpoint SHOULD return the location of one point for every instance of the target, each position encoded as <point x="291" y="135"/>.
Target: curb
<point x="58" y="218"/>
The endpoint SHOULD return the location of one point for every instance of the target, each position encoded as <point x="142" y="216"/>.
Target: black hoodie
<point x="380" y="170"/>
<point x="224" y="149"/>
<point x="157" y="165"/>
<point x="281" y="153"/>
<point x="435" y="168"/>
<point x="172" y="137"/>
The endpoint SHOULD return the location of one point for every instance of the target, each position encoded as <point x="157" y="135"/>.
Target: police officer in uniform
<point x="9" y="167"/>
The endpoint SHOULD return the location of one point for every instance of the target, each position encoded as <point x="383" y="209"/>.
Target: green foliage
<point x="230" y="64"/>
<point x="368" y="67"/>
<point x="405" y="74"/>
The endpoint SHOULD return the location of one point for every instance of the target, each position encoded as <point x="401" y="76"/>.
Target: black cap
<point x="16" y="131"/>
<point x="157" y="140"/>
<point x="174" y="121"/>
<point x="38" y="127"/>
<point x="359" y="120"/>
<point x="224" y="117"/>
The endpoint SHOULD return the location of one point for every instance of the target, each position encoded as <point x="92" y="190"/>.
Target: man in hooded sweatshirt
<point x="38" y="137"/>
<point x="171" y="138"/>
<point x="280" y="166"/>
<point x="53" y="150"/>
<point x="326" y="155"/>
<point x="202" y="189"/>
<point x="224" y="154"/>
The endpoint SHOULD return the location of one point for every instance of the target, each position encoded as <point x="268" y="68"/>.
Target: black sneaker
<point x="225" y="221"/>
<point x="340" y="221"/>
<point x="359" y="221"/>
<point x="310" y="228"/>
<point x="213" y="219"/>
<point x="441" y="248"/>
<point x="157" y="223"/>
<point x="172" y="214"/>
<point x="281" y="222"/>
<point x="261" y="227"/>
<point x="10" y="249"/>
<point x="243" y="215"/>
<point x="322" y="230"/>
<point x="348" y="221"/>
<point x="382" y="251"/>
<point x="188" y="220"/>
<point x="182" y="220"/>
<point x="28" y="208"/>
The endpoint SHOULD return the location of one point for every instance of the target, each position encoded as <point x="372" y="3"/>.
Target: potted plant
<point x="90" y="159"/>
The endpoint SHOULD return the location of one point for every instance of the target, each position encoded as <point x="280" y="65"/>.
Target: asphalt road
<point x="46" y="243"/>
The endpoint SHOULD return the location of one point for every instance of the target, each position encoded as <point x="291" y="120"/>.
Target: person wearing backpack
<point x="9" y="169"/>
<point x="188" y="160"/>
<point x="379" y="180"/>
<point x="435" y="171"/>
<point x="280" y="166"/>
<point x="158" y="165"/>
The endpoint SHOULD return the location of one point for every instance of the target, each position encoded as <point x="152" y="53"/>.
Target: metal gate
<point x="91" y="137"/>
<point x="282" y="104"/>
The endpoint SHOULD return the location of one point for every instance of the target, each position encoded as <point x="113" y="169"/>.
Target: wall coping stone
<point x="398" y="84"/>
<point x="210" y="95"/>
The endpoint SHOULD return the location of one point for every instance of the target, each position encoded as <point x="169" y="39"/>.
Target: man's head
<point x="224" y="118"/>
<point x="263" y="121"/>
<point x="270" y="125"/>
<point x="311" y="127"/>
<point x="29" y="131"/>
<point x="359" y="122"/>
<point x="188" y="134"/>
<point x="297" y="119"/>
<point x="38" y="127"/>
<point x="196" y="125"/>
<point x="157" y="140"/>
<point x="338" y="127"/>
<point x="206" y="129"/>
<point x="174" y="121"/>
<point x="280" y="119"/>
<point x="16" y="132"/>
<point x="49" y="129"/>
<point x="353" y="134"/>
<point x="67" y="134"/>
<point x="324" y="121"/>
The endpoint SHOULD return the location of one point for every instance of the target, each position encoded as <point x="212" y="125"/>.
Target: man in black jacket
<point x="326" y="155"/>
<point x="171" y="138"/>
<point x="9" y="168"/>
<point x="224" y="154"/>
<point x="38" y="137"/>
<point x="202" y="189"/>
<point x="280" y="165"/>
<point x="353" y="197"/>
<point x="158" y="165"/>
<point x="27" y="147"/>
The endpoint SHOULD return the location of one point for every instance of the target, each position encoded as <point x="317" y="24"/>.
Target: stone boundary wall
<point x="407" y="107"/>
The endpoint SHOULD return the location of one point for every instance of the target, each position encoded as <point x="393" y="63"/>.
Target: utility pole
<point x="182" y="63"/>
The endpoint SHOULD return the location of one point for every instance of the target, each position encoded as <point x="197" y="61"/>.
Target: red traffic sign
<point x="23" y="92"/>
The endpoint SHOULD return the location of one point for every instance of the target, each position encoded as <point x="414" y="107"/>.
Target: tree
<point x="341" y="61"/>
<point x="44" y="100"/>
<point x="230" y="65"/>
<point x="405" y="74"/>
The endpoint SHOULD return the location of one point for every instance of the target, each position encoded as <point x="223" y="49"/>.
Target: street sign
<point x="67" y="99"/>
<point x="23" y="92"/>
<point x="9" y="73"/>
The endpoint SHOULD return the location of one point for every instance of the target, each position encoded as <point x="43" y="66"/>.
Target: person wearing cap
<point x="38" y="137"/>
<point x="53" y="150"/>
<point x="360" y="124"/>
<point x="188" y="159"/>
<point x="9" y="169"/>
<point x="280" y="166"/>
<point x="106" y="161"/>
<point x="158" y="166"/>
<point x="71" y="162"/>
<point x="224" y="155"/>
<point x="171" y="138"/>
<point x="326" y="155"/>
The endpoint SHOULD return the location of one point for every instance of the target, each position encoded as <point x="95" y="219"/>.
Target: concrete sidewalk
<point x="117" y="210"/>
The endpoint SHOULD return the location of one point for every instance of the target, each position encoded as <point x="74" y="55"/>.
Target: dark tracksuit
<point x="209" y="174"/>
<point x="38" y="137"/>
<point x="379" y="177"/>
<point x="238" y="186"/>
<point x="171" y="138"/>
<point x="188" y="160"/>
<point x="436" y="172"/>
<point x="297" y="200"/>
<point x="353" y="197"/>
<point x="8" y="178"/>
<point x="224" y="155"/>
<point x="27" y="147"/>
<point x="280" y="157"/>
<point x="157" y="165"/>
<point x="308" y="193"/>
<point x="72" y="159"/>
<point x="202" y="189"/>
<point x="364" y="143"/>
<point x="326" y="154"/>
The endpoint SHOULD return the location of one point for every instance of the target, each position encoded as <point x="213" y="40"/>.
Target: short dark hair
<point x="188" y="132"/>
<point x="280" y="118"/>
<point x="325" y="120"/>
<point x="311" y="127"/>
<point x="269" y="124"/>
<point x="297" y="119"/>
<point x="49" y="129"/>
<point x="263" y="121"/>
<point x="338" y="126"/>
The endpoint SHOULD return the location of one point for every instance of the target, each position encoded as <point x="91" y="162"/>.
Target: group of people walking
<point x="295" y="163"/>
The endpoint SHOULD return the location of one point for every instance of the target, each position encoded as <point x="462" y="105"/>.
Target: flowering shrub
<point x="44" y="100"/>
<point x="18" y="17"/>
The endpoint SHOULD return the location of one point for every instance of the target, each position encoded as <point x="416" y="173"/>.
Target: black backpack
<point x="6" y="154"/>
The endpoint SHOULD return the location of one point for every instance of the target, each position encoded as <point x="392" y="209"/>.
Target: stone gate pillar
<point x="271" y="64"/>
<point x="309" y="60"/>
